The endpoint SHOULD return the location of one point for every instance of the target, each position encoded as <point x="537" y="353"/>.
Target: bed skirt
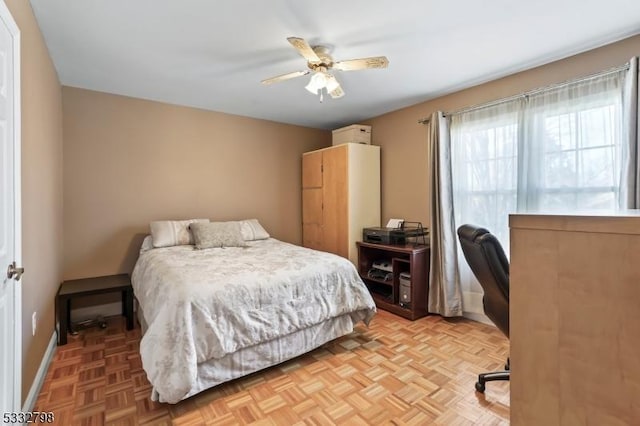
<point x="258" y="357"/>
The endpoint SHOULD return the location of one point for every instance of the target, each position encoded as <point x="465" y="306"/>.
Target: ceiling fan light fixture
<point x="336" y="93"/>
<point x="332" y="84"/>
<point x="317" y="82"/>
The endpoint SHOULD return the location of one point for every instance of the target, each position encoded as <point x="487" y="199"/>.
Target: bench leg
<point x="127" y="299"/>
<point x="64" y="318"/>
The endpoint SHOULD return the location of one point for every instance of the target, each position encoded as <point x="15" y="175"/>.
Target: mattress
<point x="216" y="314"/>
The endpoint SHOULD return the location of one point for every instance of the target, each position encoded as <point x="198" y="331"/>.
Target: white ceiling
<point x="213" y="54"/>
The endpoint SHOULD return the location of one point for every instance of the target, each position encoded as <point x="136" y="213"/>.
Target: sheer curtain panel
<point x="572" y="147"/>
<point x="484" y="173"/>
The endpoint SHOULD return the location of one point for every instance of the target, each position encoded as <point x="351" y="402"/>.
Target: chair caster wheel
<point x="480" y="387"/>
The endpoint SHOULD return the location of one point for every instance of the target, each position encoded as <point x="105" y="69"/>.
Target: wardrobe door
<point x="335" y="220"/>
<point x="312" y="200"/>
<point x="312" y="170"/>
<point x="312" y="218"/>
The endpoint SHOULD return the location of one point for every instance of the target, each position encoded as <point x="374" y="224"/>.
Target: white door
<point x="10" y="323"/>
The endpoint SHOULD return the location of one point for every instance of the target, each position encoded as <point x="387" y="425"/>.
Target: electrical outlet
<point x="34" y="323"/>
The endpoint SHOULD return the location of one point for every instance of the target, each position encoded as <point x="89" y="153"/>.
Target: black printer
<point x="381" y="235"/>
<point x="395" y="236"/>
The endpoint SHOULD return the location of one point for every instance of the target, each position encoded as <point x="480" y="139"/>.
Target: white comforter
<point x="204" y="304"/>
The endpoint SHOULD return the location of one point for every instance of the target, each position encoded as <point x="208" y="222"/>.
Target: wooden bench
<point x="72" y="289"/>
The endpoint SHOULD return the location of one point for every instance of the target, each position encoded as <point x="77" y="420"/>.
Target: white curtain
<point x="484" y="154"/>
<point x="560" y="149"/>
<point x="445" y="296"/>
<point x="572" y="147"/>
<point x="484" y="173"/>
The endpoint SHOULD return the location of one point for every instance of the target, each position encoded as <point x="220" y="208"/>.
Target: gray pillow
<point x="217" y="234"/>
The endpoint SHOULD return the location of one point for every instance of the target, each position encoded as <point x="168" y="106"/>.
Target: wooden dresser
<point x="575" y="319"/>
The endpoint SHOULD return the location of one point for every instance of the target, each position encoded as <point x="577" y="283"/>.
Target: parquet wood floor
<point x="397" y="372"/>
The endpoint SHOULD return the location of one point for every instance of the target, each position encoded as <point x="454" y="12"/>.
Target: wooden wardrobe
<point x="340" y="196"/>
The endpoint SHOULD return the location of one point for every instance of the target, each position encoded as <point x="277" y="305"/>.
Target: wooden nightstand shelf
<point x="408" y="259"/>
<point x="87" y="286"/>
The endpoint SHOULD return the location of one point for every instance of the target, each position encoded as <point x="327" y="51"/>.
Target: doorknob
<point x="14" y="271"/>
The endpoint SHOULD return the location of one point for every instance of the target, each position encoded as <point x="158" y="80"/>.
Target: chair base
<point x="490" y="377"/>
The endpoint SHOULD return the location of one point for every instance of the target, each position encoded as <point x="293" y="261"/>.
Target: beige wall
<point x="404" y="155"/>
<point x="130" y="161"/>
<point x="41" y="189"/>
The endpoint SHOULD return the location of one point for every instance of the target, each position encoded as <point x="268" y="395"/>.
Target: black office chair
<point x="490" y="265"/>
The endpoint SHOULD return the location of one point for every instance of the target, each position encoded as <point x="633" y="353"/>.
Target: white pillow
<point x="252" y="230"/>
<point x="167" y="233"/>
<point x="147" y="244"/>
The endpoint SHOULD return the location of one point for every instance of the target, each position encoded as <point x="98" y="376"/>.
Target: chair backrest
<point x="490" y="265"/>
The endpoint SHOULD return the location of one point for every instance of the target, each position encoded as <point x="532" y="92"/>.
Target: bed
<point x="210" y="316"/>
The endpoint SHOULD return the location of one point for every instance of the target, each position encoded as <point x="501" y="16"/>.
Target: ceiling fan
<point x="319" y="62"/>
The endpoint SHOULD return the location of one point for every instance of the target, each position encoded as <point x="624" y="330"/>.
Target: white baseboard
<point x="474" y="316"/>
<point x="32" y="396"/>
<point x="472" y="302"/>
<point x="474" y="308"/>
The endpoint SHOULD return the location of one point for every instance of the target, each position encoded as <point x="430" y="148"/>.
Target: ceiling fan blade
<point x="285" y="77"/>
<point x="332" y="83"/>
<point x="363" y="63"/>
<point x="304" y="49"/>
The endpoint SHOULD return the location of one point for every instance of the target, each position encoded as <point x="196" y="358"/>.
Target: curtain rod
<point x="531" y="92"/>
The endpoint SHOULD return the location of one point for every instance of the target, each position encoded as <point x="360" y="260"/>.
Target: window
<point x="484" y="167"/>
<point x="557" y="149"/>
<point x="580" y="166"/>
<point x="554" y="151"/>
